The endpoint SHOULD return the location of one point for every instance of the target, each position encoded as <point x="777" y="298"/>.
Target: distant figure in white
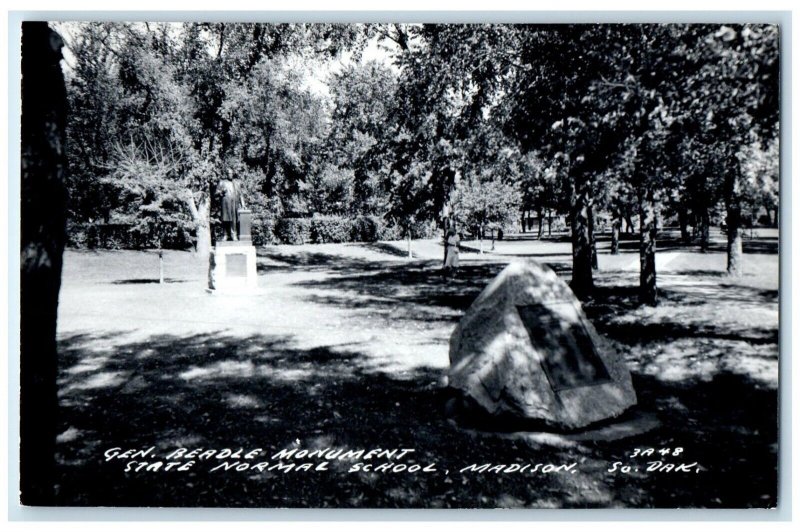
<point x="451" y="253"/>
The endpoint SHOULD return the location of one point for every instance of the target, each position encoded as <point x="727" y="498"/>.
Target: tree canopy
<point x="418" y="125"/>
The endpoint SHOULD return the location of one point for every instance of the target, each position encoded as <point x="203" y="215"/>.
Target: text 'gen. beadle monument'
<point x="525" y="350"/>
<point x="232" y="264"/>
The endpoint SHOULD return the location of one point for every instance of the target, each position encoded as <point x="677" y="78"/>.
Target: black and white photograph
<point x="400" y="265"/>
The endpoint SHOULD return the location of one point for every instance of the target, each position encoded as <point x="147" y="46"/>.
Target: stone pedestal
<point x="245" y="225"/>
<point x="232" y="267"/>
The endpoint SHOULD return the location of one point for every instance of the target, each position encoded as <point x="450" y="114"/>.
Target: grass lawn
<point x="346" y="345"/>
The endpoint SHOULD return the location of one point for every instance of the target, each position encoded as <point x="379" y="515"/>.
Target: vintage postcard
<point x="400" y="264"/>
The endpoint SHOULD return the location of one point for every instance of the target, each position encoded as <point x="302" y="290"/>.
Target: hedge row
<point x="325" y="229"/>
<point x="314" y="230"/>
<point x="126" y="236"/>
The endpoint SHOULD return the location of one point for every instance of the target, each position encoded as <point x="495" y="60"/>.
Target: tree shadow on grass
<point x="755" y="245"/>
<point x="546" y="257"/>
<point x="402" y="252"/>
<point x="725" y="422"/>
<point x="695" y="311"/>
<point x="314" y="262"/>
<point x="533" y="236"/>
<point x="214" y="391"/>
<point x="412" y="290"/>
<point x="383" y="247"/>
<point x="147" y="281"/>
<point x="273" y="260"/>
<point x="412" y="285"/>
<point x="653" y="333"/>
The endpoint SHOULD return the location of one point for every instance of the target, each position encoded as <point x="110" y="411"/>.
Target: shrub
<point x="330" y="229"/>
<point x="391" y="232"/>
<point x="77" y="236"/>
<point x="263" y="231"/>
<point x="420" y="229"/>
<point x="366" y="229"/>
<point x="266" y="215"/>
<point x="179" y="237"/>
<point x="424" y="230"/>
<point x="293" y="230"/>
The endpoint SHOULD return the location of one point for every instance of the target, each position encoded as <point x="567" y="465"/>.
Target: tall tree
<point x="554" y="106"/>
<point x="276" y="125"/>
<point x="736" y="90"/>
<point x="639" y="81"/>
<point x="93" y="98"/>
<point x="449" y="83"/>
<point x="363" y="100"/>
<point x="43" y="174"/>
<point x="484" y="201"/>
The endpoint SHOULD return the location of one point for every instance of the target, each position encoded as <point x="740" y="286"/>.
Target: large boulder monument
<point x="524" y="350"/>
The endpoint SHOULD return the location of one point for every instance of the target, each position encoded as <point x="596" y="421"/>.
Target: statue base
<point x="232" y="267"/>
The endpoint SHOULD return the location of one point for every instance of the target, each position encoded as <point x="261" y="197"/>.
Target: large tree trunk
<point x="43" y="223"/>
<point x="582" y="283"/>
<point x="771" y="221"/>
<point x="733" y="222"/>
<point x="541" y="224"/>
<point x="201" y="215"/>
<point x="616" y="223"/>
<point x="445" y="229"/>
<point x="683" y="221"/>
<point x="648" y="293"/>
<point x="705" y="227"/>
<point x="203" y="224"/>
<point x="408" y="236"/>
<point x="593" y="239"/>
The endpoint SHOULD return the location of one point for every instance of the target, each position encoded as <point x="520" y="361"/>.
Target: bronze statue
<point x="231" y="200"/>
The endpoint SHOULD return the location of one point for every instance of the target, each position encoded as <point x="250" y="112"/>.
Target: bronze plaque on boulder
<point x="570" y="359"/>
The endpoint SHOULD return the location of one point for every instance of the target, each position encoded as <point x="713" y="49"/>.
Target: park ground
<point x="346" y="346"/>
